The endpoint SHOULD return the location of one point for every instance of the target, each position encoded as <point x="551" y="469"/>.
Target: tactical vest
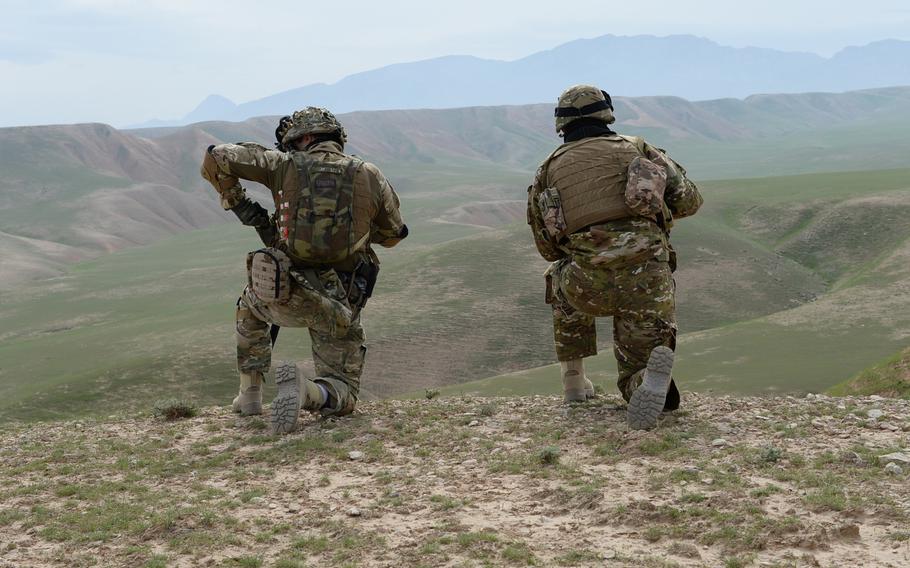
<point x="316" y="218"/>
<point x="590" y="176"/>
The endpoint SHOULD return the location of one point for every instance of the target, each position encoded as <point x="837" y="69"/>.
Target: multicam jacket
<point x="621" y="242"/>
<point x="375" y="203"/>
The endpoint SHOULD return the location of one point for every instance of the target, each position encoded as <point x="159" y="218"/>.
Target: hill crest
<point x="498" y="482"/>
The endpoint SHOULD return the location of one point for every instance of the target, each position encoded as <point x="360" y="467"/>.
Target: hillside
<point x="689" y="67"/>
<point x="115" y="330"/>
<point x="891" y="377"/>
<point x="76" y="192"/>
<point x="468" y="482"/>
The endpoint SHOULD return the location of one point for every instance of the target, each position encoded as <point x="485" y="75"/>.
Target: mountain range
<point x="681" y="65"/>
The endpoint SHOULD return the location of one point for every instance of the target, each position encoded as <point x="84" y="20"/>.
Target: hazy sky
<point x="126" y="61"/>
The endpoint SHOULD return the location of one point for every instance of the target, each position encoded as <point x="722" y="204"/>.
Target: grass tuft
<point x="175" y="409"/>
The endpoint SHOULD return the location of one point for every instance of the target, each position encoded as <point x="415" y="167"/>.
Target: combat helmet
<point x="311" y="120"/>
<point x="583" y="101"/>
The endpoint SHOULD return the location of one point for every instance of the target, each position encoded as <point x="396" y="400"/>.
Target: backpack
<point x="316" y="219"/>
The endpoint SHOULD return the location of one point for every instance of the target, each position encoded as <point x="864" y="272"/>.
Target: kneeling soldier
<point x="601" y="208"/>
<point x="318" y="268"/>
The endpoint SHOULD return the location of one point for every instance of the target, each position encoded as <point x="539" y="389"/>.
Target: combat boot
<point x="574" y="382"/>
<point x="249" y="400"/>
<point x="647" y="402"/>
<point x="294" y="393"/>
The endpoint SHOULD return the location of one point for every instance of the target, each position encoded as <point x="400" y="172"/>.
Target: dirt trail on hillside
<point x="469" y="482"/>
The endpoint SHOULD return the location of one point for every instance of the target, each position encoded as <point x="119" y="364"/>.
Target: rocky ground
<point x="731" y="482"/>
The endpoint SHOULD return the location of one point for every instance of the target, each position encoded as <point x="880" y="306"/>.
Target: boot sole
<point x="647" y="402"/>
<point x="286" y="406"/>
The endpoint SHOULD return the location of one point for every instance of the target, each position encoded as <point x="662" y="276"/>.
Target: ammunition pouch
<point x="550" y="207"/>
<point x="269" y="275"/>
<point x="645" y="188"/>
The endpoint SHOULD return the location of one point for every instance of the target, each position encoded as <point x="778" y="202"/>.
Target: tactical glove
<point x="251" y="213"/>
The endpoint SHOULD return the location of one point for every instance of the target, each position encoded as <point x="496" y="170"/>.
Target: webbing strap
<point x="562" y="112"/>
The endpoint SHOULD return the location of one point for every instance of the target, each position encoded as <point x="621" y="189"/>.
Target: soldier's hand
<point x="251" y="213"/>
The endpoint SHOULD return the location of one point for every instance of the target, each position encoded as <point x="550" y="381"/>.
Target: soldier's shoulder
<point x="637" y="140"/>
<point x="370" y="168"/>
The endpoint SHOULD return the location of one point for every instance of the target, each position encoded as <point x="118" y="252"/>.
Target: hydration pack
<point x="316" y="219"/>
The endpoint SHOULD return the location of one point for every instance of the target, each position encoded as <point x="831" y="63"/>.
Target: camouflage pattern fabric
<point x="312" y="120"/>
<point x="376" y="205"/>
<point x="641" y="299"/>
<point x="579" y="96"/>
<point x="645" y="188"/>
<point x="337" y="339"/>
<point x="318" y="299"/>
<point x="621" y="268"/>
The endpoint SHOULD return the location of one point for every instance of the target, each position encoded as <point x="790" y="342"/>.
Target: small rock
<point x="355" y="455"/>
<point x="474" y="423"/>
<point x="850" y="532"/>
<point x="875" y="413"/>
<point x="690" y="469"/>
<point x="894" y="469"/>
<point x="898" y="457"/>
<point x="724" y="428"/>
<point x="818" y="423"/>
<point x="708" y="481"/>
<point x="852" y="457"/>
<point x="354" y="512"/>
<point x="792" y="426"/>
<point x="469" y="463"/>
<point x="841" y="406"/>
<point x="719" y="443"/>
<point x="294" y="508"/>
<point x="609" y="555"/>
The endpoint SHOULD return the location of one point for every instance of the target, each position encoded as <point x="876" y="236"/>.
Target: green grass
<point x="158" y="320"/>
<point x="890" y="377"/>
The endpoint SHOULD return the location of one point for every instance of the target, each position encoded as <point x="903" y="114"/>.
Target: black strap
<point x="273" y="333"/>
<point x="562" y="112"/>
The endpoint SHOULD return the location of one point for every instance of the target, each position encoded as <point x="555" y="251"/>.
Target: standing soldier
<point x="601" y="208"/>
<point x="318" y="268"/>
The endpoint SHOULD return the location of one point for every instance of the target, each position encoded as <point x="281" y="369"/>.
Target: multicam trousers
<point x="641" y="298"/>
<point x="337" y="337"/>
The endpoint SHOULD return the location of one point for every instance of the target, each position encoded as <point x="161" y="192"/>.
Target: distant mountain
<point x="683" y="66"/>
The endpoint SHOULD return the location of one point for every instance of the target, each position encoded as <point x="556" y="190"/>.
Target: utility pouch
<point x="645" y="187"/>
<point x="269" y="274"/>
<point x="360" y="283"/>
<point x="554" y="220"/>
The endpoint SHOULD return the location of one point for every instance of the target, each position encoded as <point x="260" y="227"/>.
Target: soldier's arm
<point x="545" y="246"/>
<point x="388" y="227"/>
<point x="225" y="163"/>
<point x="681" y="196"/>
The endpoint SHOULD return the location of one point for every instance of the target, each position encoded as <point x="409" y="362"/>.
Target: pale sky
<point x="127" y="61"/>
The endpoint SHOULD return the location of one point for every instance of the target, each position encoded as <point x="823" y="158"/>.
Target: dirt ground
<point x="468" y="482"/>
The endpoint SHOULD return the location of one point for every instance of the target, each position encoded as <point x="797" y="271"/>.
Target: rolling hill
<point x="75" y="192"/>
<point x="807" y="267"/>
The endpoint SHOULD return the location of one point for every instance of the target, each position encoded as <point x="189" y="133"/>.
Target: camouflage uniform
<point x="318" y="298"/>
<point x="620" y="268"/>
